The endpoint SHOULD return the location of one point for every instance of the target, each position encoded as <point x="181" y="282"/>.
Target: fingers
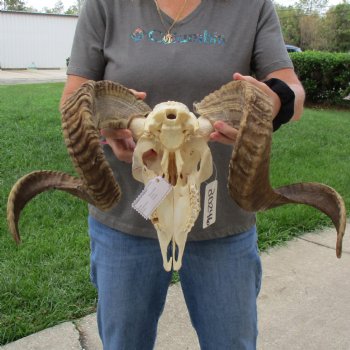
<point x="139" y="94"/>
<point x="116" y="134"/>
<point x="149" y="156"/>
<point x="224" y="133"/>
<point x="239" y="76"/>
<point x="121" y="142"/>
<point x="249" y="79"/>
<point x="122" y="149"/>
<point x="276" y="102"/>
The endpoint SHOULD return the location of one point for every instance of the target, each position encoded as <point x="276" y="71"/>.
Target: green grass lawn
<point x="45" y="280"/>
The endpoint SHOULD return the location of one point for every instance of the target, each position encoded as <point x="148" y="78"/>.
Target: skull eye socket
<point x="171" y="116"/>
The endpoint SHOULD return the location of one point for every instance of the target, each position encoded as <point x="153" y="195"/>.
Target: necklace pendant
<point x="168" y="38"/>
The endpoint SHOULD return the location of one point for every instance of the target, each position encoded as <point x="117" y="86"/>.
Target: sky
<point x="39" y="4"/>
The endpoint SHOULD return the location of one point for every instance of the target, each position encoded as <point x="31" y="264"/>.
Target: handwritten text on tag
<point x="209" y="215"/>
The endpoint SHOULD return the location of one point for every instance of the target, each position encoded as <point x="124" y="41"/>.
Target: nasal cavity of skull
<point x="172" y="170"/>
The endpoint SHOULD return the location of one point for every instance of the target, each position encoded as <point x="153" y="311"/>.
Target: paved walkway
<point x="31" y="76"/>
<point x="304" y="304"/>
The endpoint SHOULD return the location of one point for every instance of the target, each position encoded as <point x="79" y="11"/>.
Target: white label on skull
<point x="152" y="195"/>
<point x="209" y="215"/>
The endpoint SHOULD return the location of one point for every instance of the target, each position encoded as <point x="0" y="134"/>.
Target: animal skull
<point x="183" y="158"/>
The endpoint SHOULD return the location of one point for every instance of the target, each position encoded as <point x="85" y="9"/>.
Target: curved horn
<point x="34" y="183"/>
<point x="248" y="109"/>
<point x="94" y="106"/>
<point x="321" y="197"/>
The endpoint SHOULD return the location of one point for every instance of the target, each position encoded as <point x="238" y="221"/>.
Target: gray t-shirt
<point x="121" y="40"/>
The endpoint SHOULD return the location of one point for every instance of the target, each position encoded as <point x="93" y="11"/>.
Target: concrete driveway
<point x="32" y="76"/>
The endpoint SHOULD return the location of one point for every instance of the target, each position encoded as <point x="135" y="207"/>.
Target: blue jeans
<point x="220" y="279"/>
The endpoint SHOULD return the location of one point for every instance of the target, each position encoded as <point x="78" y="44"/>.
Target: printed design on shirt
<point x="156" y="36"/>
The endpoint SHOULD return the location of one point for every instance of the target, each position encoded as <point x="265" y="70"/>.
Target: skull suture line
<point x="179" y="140"/>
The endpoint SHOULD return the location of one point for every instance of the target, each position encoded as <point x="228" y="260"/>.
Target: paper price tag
<point x="209" y="215"/>
<point x="152" y="195"/>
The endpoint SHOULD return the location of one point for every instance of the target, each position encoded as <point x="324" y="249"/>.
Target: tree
<point x="75" y="9"/>
<point x="12" y="5"/>
<point x="289" y="18"/>
<point x="72" y="10"/>
<point x="310" y="28"/>
<point x="20" y="5"/>
<point x="337" y="24"/>
<point x="58" y="8"/>
<point x="80" y="4"/>
<point x="312" y="6"/>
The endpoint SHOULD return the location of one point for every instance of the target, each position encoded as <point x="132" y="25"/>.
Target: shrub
<point x="325" y="75"/>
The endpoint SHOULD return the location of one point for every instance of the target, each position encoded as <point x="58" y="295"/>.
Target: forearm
<point x="72" y="84"/>
<point x="299" y="100"/>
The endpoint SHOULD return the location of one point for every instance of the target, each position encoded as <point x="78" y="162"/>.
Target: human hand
<point x="226" y="134"/>
<point x="121" y="140"/>
<point x="121" y="143"/>
<point x="223" y="133"/>
<point x="276" y="102"/>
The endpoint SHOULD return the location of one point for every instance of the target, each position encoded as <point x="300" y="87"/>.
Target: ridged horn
<point x="94" y="106"/>
<point x="321" y="197"/>
<point x="37" y="182"/>
<point x="248" y="109"/>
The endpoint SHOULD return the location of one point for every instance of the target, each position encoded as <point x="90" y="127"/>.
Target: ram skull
<point x="182" y="157"/>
